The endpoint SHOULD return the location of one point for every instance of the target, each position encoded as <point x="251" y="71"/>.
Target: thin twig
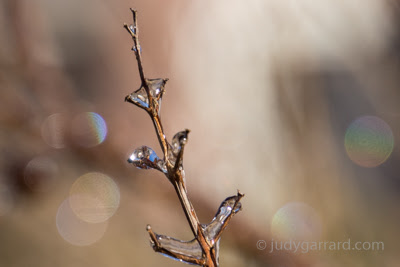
<point x="173" y="169"/>
<point x="133" y="29"/>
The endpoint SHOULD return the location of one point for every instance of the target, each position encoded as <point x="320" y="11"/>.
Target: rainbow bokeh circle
<point x="369" y="141"/>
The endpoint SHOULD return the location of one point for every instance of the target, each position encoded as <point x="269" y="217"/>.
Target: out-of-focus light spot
<point x="6" y="200"/>
<point x="89" y="129"/>
<point x="54" y="130"/>
<point x="369" y="141"/>
<point x="97" y="197"/>
<point x="40" y="173"/>
<point x="76" y="231"/>
<point x="296" y="221"/>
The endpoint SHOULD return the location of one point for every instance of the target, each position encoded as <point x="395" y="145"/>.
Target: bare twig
<point x="203" y="249"/>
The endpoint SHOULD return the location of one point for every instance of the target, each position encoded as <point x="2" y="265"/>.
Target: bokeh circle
<point x="54" y="130"/>
<point x="296" y="221"/>
<point x="369" y="141"/>
<point x="96" y="197"/>
<point x="76" y="231"/>
<point x="89" y="129"/>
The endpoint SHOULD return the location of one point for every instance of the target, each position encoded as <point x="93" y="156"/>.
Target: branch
<point x="203" y="249"/>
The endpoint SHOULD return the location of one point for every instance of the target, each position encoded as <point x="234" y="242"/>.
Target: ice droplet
<point x="212" y="229"/>
<point x="146" y="158"/>
<point x="132" y="28"/>
<point x="156" y="90"/>
<point x="134" y="49"/>
<point x="156" y="87"/>
<point x="178" y="141"/>
<point x="140" y="97"/>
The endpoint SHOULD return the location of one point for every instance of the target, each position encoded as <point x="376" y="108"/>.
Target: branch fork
<point x="203" y="250"/>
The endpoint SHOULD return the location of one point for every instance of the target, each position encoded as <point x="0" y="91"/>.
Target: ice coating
<point x="228" y="206"/>
<point x="190" y="249"/>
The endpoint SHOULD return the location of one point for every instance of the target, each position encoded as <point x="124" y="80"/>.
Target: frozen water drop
<point x="140" y="97"/>
<point x="178" y="141"/>
<point x="132" y="28"/>
<point x="134" y="49"/>
<point x="156" y="87"/>
<point x="238" y="207"/>
<point x="146" y="158"/>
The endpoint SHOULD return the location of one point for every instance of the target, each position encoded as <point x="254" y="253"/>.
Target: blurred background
<point x="295" y="103"/>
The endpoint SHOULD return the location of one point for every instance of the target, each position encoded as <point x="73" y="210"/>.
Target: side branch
<point x="236" y="207"/>
<point x="189" y="252"/>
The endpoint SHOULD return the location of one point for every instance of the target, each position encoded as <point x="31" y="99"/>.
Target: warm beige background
<point x="267" y="88"/>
